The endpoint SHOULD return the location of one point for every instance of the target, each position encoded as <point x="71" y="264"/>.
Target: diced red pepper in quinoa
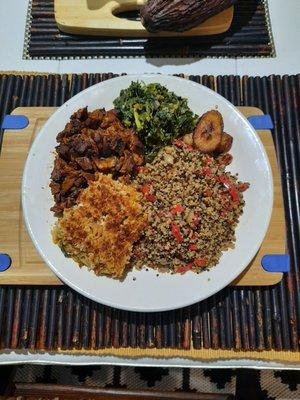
<point x="178" y="209"/>
<point x="231" y="188"/>
<point x="225" y="159"/>
<point x="185" y="268"/>
<point x="145" y="189"/>
<point x="208" y="193"/>
<point x="223" y="179"/>
<point x="200" y="262"/>
<point x="193" y="247"/>
<point x="176" y="233"/>
<point x="208" y="160"/>
<point x="151" y="197"/>
<point x="142" y="170"/>
<point x="147" y="194"/>
<point x="234" y="194"/>
<point x="206" y="171"/>
<point x="243" y="187"/>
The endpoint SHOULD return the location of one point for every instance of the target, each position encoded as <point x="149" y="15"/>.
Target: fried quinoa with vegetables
<point x="157" y="115"/>
<point x="193" y="206"/>
<point x="99" y="231"/>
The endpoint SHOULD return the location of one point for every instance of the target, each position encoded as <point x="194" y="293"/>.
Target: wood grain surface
<point x="27" y="266"/>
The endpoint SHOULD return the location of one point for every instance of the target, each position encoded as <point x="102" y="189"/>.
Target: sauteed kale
<point x="157" y="114"/>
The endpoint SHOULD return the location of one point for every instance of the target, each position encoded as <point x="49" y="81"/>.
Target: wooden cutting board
<point x="99" y="17"/>
<point x="27" y="266"/>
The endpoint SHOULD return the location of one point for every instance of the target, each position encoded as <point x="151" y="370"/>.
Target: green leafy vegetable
<point x="158" y="115"/>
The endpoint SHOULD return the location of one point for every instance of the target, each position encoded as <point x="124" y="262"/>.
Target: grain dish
<point x="193" y="206"/>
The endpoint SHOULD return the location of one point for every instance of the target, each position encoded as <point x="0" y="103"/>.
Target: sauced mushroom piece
<point x="92" y="142"/>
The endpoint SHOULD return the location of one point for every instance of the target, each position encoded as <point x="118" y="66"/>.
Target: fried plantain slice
<point x="208" y="132"/>
<point x="226" y="143"/>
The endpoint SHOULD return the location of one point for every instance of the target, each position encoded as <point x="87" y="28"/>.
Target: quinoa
<point x="193" y="206"/>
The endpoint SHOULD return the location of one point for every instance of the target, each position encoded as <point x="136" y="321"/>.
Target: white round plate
<point x="149" y="292"/>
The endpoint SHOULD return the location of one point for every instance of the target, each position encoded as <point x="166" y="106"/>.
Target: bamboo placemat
<point x="261" y="323"/>
<point x="250" y="35"/>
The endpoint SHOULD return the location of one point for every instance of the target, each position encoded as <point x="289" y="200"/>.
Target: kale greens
<point x="157" y="115"/>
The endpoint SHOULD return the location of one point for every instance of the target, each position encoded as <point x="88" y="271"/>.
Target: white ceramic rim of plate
<point x="223" y="284"/>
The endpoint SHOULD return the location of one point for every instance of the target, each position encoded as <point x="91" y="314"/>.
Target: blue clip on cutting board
<point x="23" y="265"/>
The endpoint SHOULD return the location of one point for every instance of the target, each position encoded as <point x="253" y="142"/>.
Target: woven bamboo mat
<point x="260" y="323"/>
<point x="249" y="36"/>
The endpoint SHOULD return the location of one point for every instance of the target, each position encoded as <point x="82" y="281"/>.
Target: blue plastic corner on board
<point x="276" y="263"/>
<point x="14" y="122"/>
<point x="5" y="262"/>
<point x="261" y="122"/>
